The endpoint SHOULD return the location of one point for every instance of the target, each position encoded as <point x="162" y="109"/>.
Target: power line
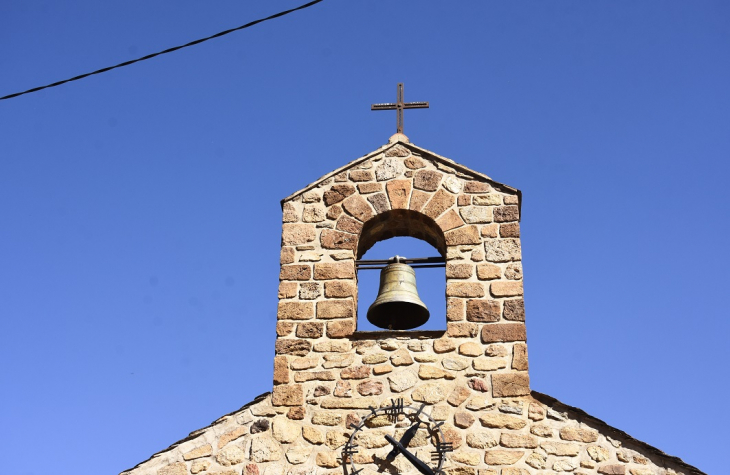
<point x="169" y="50"/>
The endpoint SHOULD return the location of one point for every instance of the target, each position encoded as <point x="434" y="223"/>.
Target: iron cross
<point x="399" y="106"/>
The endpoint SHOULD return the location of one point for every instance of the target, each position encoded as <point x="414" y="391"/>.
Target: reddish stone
<point x="365" y="188"/>
<point x="509" y="230"/>
<point x="284" y="328"/>
<point x="339" y="270"/>
<point x="494" y="332"/>
<point x="478" y="384"/>
<point x="361" y="175"/>
<point x="490" y="230"/>
<point x="310" y="330"/>
<point x="370" y="388"/>
<point x="332" y="239"/>
<point x="339" y="289"/>
<point x="287" y="255"/>
<point x="463" y="235"/>
<point x="476" y="187"/>
<point x="519" y="357"/>
<point x="454" y="309"/>
<point x="340" y="329"/>
<point x="287" y="290"/>
<point x="289" y="213"/>
<point x="296" y="234"/>
<point x="514" y="310"/>
<point x="449" y="220"/>
<point x="295" y="311"/>
<point x="357" y="207"/>
<point x="398" y="193"/>
<point x="281" y="370"/>
<point x="461" y="330"/>
<point x="342" y="389"/>
<point x="483" y="311"/>
<point x="296" y="413"/>
<point x="614" y="469"/>
<point x="440" y="202"/>
<point x="292" y="347"/>
<point x="488" y="271"/>
<point x="459" y="271"/>
<point x="349" y="225"/>
<point x="334" y="211"/>
<point x="287" y="395"/>
<point x="329" y="309"/>
<point x="380" y="202"/>
<point x="463" y="200"/>
<point x="464" y="289"/>
<point x="295" y="272"/>
<point x="337" y="193"/>
<point x="355" y="372"/>
<point x="418" y="199"/>
<point x="506" y="289"/>
<point x="251" y="469"/>
<point x="427" y="180"/>
<point x="506" y="213"/>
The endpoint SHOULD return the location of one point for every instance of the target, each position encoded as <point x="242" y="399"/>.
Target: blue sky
<point x="141" y="218"/>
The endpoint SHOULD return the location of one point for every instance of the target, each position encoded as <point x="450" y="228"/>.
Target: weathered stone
<point x="536" y="412"/>
<point x="328" y="459"/>
<point x="486" y="271"/>
<point x="260" y="425"/>
<point x="463" y="420"/>
<point x="476" y="214"/>
<point x="332" y="346"/>
<point x="343" y="389"/>
<point x="287" y="290"/>
<point x="349" y="225"/>
<point x="464" y="289"/>
<point x="414" y="163"/>
<point x="452" y="435"/>
<point x="312" y="435"/>
<point x="509" y="230"/>
<point x="476" y="187"/>
<point x="597" y="453"/>
<point x="514" y="441"/>
<point x="427" y="180"/>
<point x="285" y="431"/>
<point x="309" y="290"/>
<point x="382" y="369"/>
<point x="338" y="360"/>
<point x="335" y="439"/>
<point x="391" y="167"/>
<point x="453" y="184"/>
<point x="375" y="358"/>
<point x="295" y="311"/>
<point x="496" y="351"/>
<point x="430" y="393"/>
<point x="506" y="289"/>
<point x="501" y="421"/>
<point x="296" y="234"/>
<point x="461" y="329"/>
<point x="202" y="466"/>
<point x="391" y="344"/>
<point x="326" y="418"/>
<point x="514" y="310"/>
<point x="510" y="384"/>
<point x="287" y="395"/>
<point x="379" y="202"/>
<point x="370" y="388"/>
<point x="336" y="270"/>
<point x="310" y="330"/>
<point x="481" y="440"/>
<point x="231" y="455"/>
<point x="502" y="457"/>
<point x="488" y="364"/>
<point x="281" y="370"/>
<point x="339" y="289"/>
<point x="296" y="272"/>
<point x="304" y="376"/>
<point x="478" y="384"/>
<point x="536" y="460"/>
<point x="287" y="255"/>
<point x="613" y="469"/>
<point x="402" y="380"/>
<point x="361" y="175"/>
<point x="471" y="349"/>
<point x="337" y="193"/>
<point x="304" y="363"/>
<point x="458" y="396"/>
<point x="313" y="214"/>
<point x="418" y="200"/>
<point x="329" y="309"/>
<point x="519" y="358"/>
<point x="489" y="230"/>
<point x="366" y="188"/>
<point x="463" y="200"/>
<point x="340" y="328"/>
<point x="459" y="271"/>
<point x="298" y="454"/>
<point x="502" y="250"/>
<point x="290" y="214"/>
<point x="202" y="451"/>
<point x="401" y="358"/>
<point x="449" y="220"/>
<point x="493" y="332"/>
<point x="419" y="346"/>
<point x="296" y="413"/>
<point x="506" y="213"/>
<point x="177" y="468"/>
<point x="433" y="372"/>
<point x="331" y="239"/>
<point x="466" y="457"/>
<point x="292" y="347"/>
<point x="483" y="311"/>
<point x="263" y="449"/>
<point x="565" y="465"/>
<point x="444" y="345"/>
<point x="355" y="372"/>
<point x="399" y="191"/>
<point x="491" y="199"/>
<point x="440" y="202"/>
<point x="578" y="434"/>
<point x="478" y="402"/>
<point x="334" y="212"/>
<point x="462" y="236"/>
<point x="560" y="448"/>
<point x="455" y="364"/>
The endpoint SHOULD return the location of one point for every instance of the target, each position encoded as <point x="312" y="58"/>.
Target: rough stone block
<point x="459" y="271"/>
<point x="331" y="239"/>
<point x="502" y="457"/>
<point x="380" y="202"/>
<point x="287" y="255"/>
<point x="461" y="329"/>
<point x="287" y="395"/>
<point x="292" y="347"/>
<point x="295" y="311"/>
<point x="366" y="188"/>
<point x="361" y="175"/>
<point x="502" y="250"/>
<point x="290" y="214"/>
<point x="340" y="328"/>
<point x="310" y="330"/>
<point x="309" y="290"/>
<point x="399" y="191"/>
<point x="506" y="289"/>
<point x="358" y="208"/>
<point x="477" y="187"/>
<point x="427" y="180"/>
<point x="287" y="290"/>
<point x="281" y="370"/>
<point x="418" y="199"/>
<point x="440" y="202"/>
<point x="338" y="270"/>
<point x="349" y="225"/>
<point x="337" y="193"/>
<point x="483" y="311"/>
<point x="296" y="272"/>
<point x="454" y="309"/>
<point x="476" y="214"/>
<point x="329" y="309"/>
<point x="494" y="332"/>
<point x="509" y="230"/>
<point x="506" y="213"/>
<point x="463" y="235"/>
<point x="510" y="384"/>
<point x="297" y="234"/>
<point x="517" y="441"/>
<point x="486" y="271"/>
<point x="339" y="289"/>
<point x="519" y="357"/>
<point x="578" y="434"/>
<point x="514" y="310"/>
<point x="464" y="289"/>
<point x="449" y="220"/>
<point x="355" y="372"/>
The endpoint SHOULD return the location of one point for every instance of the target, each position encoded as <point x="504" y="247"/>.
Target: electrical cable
<point x="169" y="50"/>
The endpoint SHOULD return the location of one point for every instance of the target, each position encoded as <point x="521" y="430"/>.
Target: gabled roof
<point x="401" y="140"/>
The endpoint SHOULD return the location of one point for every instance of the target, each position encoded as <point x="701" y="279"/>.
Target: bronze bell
<point x="398" y="306"/>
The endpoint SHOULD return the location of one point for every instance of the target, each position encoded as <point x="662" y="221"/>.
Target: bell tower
<point x="400" y="190"/>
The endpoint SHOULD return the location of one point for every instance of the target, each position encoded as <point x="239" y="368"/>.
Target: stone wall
<point x="473" y="376"/>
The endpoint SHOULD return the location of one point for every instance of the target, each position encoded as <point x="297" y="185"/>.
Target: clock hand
<point x="404" y="441"/>
<point x="415" y="461"/>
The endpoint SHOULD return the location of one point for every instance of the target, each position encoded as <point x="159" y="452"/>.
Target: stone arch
<point x="400" y="222"/>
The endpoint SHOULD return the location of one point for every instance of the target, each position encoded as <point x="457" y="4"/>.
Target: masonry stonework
<point x="473" y="376"/>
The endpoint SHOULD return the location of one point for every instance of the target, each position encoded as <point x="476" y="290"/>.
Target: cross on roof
<point x="399" y="106"/>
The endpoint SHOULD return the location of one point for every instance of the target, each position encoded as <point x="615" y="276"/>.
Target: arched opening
<point x="408" y="234"/>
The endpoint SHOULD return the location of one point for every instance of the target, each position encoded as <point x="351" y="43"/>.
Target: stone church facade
<point x="323" y="415"/>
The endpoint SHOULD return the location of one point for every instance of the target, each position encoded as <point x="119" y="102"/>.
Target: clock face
<point x="396" y="439"/>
